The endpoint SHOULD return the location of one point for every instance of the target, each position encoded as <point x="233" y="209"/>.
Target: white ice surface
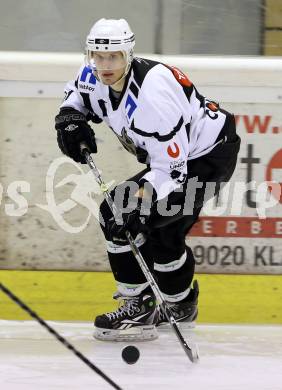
<point x="232" y="358"/>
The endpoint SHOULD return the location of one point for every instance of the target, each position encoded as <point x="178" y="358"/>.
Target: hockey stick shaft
<point x="138" y="255"/>
<point x="59" y="337"/>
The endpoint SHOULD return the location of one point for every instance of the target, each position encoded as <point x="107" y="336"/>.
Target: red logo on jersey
<point x="180" y="76"/>
<point x="173" y="153"/>
<point x="212" y="106"/>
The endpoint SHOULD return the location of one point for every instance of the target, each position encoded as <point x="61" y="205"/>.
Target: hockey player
<point x="182" y="137"/>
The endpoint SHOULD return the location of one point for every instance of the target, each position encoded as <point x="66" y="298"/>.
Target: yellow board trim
<point x="80" y="296"/>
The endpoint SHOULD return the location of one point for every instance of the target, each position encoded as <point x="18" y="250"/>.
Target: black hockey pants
<point x="164" y="248"/>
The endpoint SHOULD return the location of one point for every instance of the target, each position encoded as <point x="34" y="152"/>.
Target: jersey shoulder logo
<point x="180" y="76"/>
<point x="87" y="76"/>
<point x="213" y="106"/>
<point x="212" y="109"/>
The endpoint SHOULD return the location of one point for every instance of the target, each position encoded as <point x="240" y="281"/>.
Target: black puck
<point x="130" y="354"/>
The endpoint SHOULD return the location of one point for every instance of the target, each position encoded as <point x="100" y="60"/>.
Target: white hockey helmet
<point x="110" y="35"/>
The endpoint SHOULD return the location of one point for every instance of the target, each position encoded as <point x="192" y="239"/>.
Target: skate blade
<point x="135" y="333"/>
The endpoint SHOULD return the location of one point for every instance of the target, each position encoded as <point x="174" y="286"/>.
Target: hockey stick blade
<point x="191" y="351"/>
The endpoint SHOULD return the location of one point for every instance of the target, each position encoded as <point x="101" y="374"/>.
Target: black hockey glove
<point x="73" y="129"/>
<point x="134" y="221"/>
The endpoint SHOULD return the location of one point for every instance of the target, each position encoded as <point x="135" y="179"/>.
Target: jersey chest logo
<point x="173" y="153"/>
<point x="127" y="142"/>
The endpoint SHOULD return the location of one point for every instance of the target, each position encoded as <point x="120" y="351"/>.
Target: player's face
<point x="110" y="66"/>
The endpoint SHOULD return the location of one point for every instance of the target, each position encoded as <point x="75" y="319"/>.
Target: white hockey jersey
<point x="160" y="117"/>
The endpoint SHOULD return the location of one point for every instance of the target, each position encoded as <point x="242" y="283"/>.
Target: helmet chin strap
<point x="121" y="78"/>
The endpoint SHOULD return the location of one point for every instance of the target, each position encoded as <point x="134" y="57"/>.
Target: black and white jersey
<point x="160" y="117"/>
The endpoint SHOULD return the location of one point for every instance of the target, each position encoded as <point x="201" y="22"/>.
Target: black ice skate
<point x="135" y="319"/>
<point x="183" y="311"/>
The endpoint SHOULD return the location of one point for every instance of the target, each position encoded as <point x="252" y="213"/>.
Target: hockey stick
<point x="191" y="351"/>
<point x="59" y="337"/>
